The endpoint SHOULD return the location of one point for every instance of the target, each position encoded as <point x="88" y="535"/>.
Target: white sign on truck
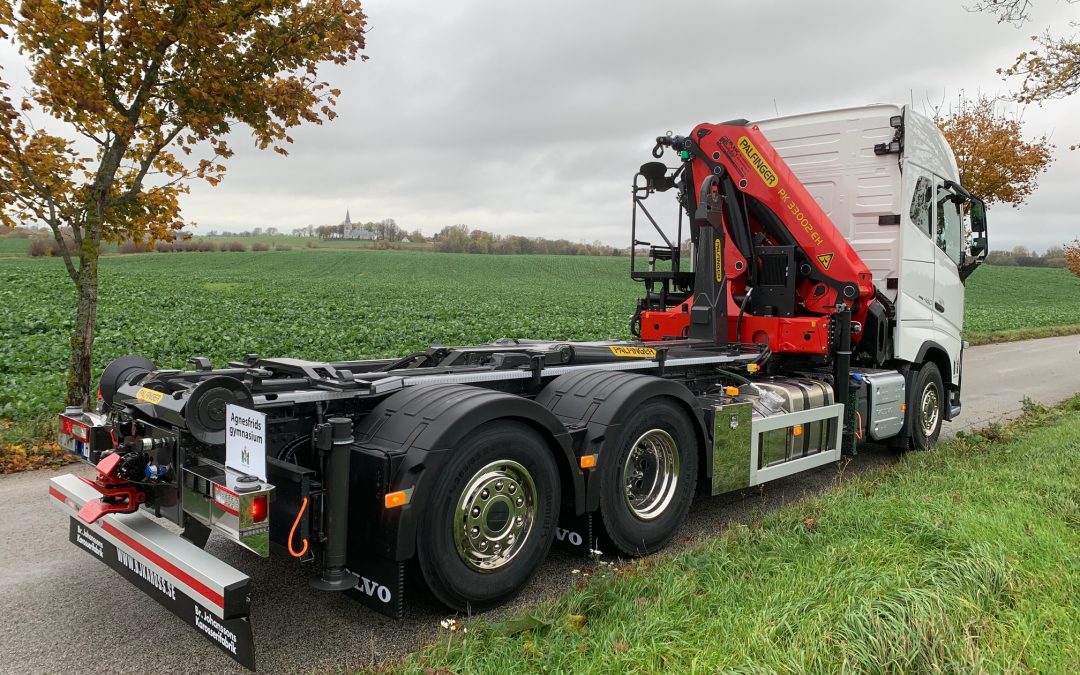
<point x="245" y="441"/>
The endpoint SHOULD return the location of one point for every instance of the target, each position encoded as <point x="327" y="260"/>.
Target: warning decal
<point x="634" y="352"/>
<point x="825" y="259"/>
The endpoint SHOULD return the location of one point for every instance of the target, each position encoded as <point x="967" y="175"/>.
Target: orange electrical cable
<point x="292" y="531"/>
<point x="858" y="425"/>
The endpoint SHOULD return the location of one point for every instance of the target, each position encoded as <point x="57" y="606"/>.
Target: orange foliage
<point x="994" y="160"/>
<point x="17" y="457"/>
<point x="1072" y="257"/>
<point x="149" y="84"/>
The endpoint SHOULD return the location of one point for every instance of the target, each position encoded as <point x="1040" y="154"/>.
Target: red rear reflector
<point x="258" y="509"/>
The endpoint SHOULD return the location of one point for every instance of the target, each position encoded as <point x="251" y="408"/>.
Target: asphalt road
<point x="64" y="613"/>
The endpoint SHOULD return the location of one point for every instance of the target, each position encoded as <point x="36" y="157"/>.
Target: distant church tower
<point x="348" y="220"/>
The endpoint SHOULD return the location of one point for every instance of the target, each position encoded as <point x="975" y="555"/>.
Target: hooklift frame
<point x="390" y="450"/>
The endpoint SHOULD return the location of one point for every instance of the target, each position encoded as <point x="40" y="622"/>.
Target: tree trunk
<point x="82" y="341"/>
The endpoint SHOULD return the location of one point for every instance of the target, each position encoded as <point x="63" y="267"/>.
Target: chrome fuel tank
<point x="774" y="396"/>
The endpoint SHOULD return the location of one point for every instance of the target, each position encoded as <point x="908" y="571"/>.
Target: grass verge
<point x="1016" y="334"/>
<point x="965" y="559"/>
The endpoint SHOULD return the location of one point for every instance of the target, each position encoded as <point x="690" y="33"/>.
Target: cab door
<point x="948" y="288"/>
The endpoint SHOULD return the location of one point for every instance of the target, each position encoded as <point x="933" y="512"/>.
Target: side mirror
<point x="978" y="215"/>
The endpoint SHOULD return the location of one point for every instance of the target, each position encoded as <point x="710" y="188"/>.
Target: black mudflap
<point x="233" y="636"/>
<point x="575" y="533"/>
<point x="381" y="586"/>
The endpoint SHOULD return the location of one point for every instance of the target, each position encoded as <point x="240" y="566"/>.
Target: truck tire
<point x="927" y="407"/>
<point x="491" y="517"/>
<point x="647" y="477"/>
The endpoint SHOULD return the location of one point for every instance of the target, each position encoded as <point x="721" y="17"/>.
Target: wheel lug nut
<point x="475" y="512"/>
<point x="484" y="494"/>
<point x="498" y="486"/>
<point x="520" y="501"/>
<point x="476" y="531"/>
<point x="512" y="488"/>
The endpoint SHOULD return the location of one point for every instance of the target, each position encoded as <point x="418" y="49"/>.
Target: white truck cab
<point x="888" y="180"/>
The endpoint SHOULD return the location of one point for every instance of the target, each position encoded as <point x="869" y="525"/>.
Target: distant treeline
<point x="460" y="239"/>
<point x="1020" y="256"/>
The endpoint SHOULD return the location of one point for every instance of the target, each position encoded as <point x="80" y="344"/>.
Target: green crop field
<point x="10" y="246"/>
<point x="339" y="304"/>
<point x="317" y="304"/>
<point x="1015" y="298"/>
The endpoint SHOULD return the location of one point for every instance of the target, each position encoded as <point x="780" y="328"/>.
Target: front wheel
<point x="927" y="407"/>
<point x="648" y="475"/>
<point x="491" y="519"/>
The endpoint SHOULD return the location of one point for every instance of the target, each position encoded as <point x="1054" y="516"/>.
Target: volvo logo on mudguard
<point x="374" y="589"/>
<point x="572" y="538"/>
<point x="232" y="636"/>
<point x="381" y="586"/>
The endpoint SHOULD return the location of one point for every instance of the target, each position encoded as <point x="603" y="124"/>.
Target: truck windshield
<point x="949" y="229"/>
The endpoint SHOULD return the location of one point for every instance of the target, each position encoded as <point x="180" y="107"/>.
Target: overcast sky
<point x="531" y="118"/>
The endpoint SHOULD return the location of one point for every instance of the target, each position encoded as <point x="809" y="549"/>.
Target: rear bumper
<point x="212" y="597"/>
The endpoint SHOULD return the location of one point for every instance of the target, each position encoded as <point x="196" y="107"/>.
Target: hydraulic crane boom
<point x="761" y="236"/>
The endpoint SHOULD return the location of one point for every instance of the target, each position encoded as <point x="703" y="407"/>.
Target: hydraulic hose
<point x="292" y="532"/>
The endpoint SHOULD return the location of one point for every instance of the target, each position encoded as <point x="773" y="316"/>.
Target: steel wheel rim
<point x="651" y="474"/>
<point x="931" y="409"/>
<point x="495" y="515"/>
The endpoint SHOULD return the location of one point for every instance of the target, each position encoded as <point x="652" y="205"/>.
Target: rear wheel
<point x="647" y="477"/>
<point x="927" y="407"/>
<point x="491" y="519"/>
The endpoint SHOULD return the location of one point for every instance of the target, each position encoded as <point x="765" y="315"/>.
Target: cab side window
<point x="921" y="203"/>
<point x="949" y="224"/>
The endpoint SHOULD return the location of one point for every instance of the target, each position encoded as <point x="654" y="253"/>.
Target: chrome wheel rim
<point x="930" y="408"/>
<point x="651" y="474"/>
<point x="495" y="514"/>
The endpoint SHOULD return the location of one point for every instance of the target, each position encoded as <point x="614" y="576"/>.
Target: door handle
<point x="939" y="307"/>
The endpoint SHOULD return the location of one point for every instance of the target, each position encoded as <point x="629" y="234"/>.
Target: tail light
<point x="258" y="509"/>
<point x="84" y="434"/>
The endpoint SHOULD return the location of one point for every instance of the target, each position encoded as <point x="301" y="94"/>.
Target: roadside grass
<point x="1017" y="334"/>
<point x="964" y="559"/>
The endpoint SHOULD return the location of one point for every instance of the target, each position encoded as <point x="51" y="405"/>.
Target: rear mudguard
<point x="600" y="402"/>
